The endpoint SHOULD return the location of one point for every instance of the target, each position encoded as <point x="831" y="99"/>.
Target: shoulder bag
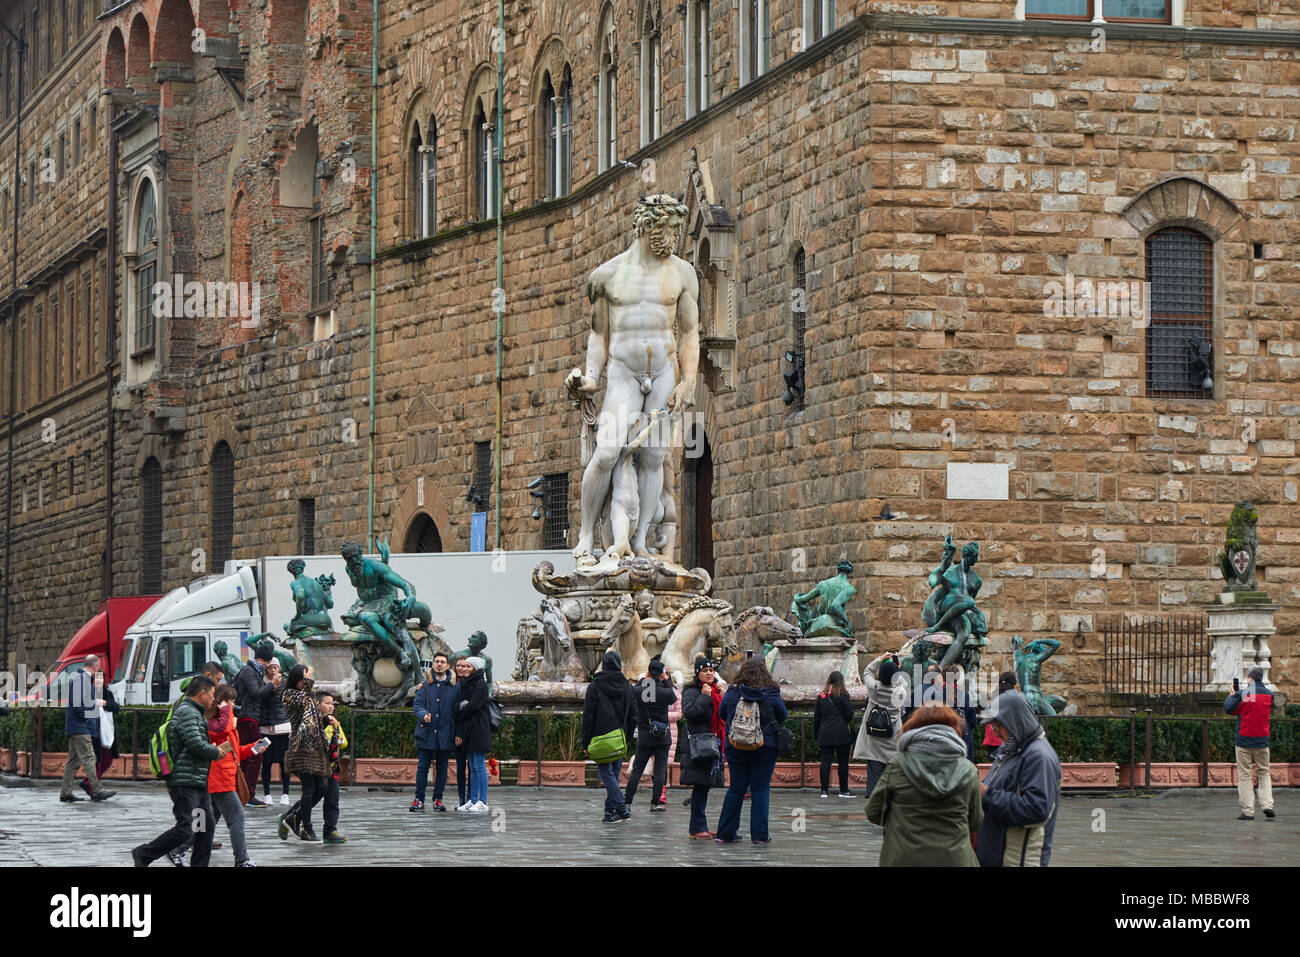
<point x="703" y="748"/>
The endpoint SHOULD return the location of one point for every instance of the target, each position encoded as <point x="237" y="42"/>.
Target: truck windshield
<point x="124" y="663"/>
<point x="140" y="665"/>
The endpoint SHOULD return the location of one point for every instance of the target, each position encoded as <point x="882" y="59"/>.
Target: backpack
<point x="878" y="723"/>
<point x="160" y="759"/>
<point x="746" y="732"/>
<point x="494" y="715"/>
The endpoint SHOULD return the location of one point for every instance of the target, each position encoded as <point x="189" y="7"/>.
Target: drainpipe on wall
<point x="498" y="299"/>
<point x="13" y="347"/>
<point x="110" y="344"/>
<point x="374" y="170"/>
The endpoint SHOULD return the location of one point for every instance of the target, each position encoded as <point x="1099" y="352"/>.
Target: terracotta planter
<point x="1088" y="774"/>
<point x="1178" y="774"/>
<point x="399" y="772"/>
<point x="562" y="774"/>
<point x="1293" y="775"/>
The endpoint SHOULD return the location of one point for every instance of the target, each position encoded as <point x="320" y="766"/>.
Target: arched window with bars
<point x="151" y="527"/>
<point x="221" y="471"/>
<point x="1180" y="333"/>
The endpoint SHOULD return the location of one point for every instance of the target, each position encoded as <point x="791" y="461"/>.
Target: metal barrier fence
<point x="1154" y="657"/>
<point x="1135" y="714"/>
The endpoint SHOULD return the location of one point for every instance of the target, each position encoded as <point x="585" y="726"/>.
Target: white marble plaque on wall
<point x="982" y="480"/>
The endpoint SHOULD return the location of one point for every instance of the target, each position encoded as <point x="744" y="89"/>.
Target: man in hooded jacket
<point x="610" y="704"/>
<point x="1022" y="790"/>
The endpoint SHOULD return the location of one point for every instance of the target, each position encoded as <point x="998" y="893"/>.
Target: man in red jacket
<point x="1252" y="705"/>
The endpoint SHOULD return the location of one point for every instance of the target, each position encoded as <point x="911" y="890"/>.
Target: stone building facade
<point x="919" y="200"/>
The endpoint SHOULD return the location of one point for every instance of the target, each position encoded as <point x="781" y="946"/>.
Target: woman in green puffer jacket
<point x="928" y="799"/>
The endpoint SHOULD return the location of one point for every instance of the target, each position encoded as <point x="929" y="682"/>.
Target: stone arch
<point x="221" y="428"/>
<point x="408" y="507"/>
<point x="114" y="66"/>
<point x="139" y="73"/>
<point x="152" y="447"/>
<point x="552" y="59"/>
<point x="482" y="85"/>
<point x="234" y="184"/>
<point x="553" y="67"/>
<point x="422" y="529"/>
<point x="421" y="117"/>
<point x="1184" y="201"/>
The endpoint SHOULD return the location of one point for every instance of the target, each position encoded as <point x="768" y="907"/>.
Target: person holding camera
<point x="254" y="689"/>
<point x="701" y="759"/>
<point x="187" y="784"/>
<point x="276" y="727"/>
<point x="1251" y="707"/>
<point x="654" y="695"/>
<point x="877" y="741"/>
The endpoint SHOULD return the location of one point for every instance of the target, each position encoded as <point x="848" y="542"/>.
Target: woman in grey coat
<point x="887" y="689"/>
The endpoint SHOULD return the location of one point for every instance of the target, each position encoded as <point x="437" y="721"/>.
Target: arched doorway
<point x="422" y="536"/>
<point x="697" y="505"/>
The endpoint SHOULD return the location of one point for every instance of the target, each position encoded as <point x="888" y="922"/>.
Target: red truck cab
<point x="102" y="635"/>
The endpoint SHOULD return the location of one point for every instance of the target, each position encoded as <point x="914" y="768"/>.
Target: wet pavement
<point x="562" y="826"/>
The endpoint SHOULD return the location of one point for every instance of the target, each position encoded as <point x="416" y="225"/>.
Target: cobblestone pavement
<point x="561" y="826"/>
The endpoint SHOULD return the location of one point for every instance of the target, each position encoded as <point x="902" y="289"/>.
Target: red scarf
<point x="716" y="724"/>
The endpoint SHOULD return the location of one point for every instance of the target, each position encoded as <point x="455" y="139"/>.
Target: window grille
<point x="151" y="523"/>
<point x="1180" y="336"/>
<point x="555" y="532"/>
<point x="223" y="506"/>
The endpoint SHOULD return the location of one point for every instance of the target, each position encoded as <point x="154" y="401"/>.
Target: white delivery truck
<point x="465" y="591"/>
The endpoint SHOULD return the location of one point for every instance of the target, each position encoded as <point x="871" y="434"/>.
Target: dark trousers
<point x="644" y="752"/>
<point x="751" y="772"/>
<point x="699" y="804"/>
<point x="103" y="761"/>
<point x="614" y="803"/>
<point x="874" y="770"/>
<point x="313" y="791"/>
<point x="462" y="775"/>
<point x="192" y="808"/>
<point x="331" y="804"/>
<point x="251" y="766"/>
<point x="840" y="754"/>
<point x="439" y="758"/>
<point x="270" y="758"/>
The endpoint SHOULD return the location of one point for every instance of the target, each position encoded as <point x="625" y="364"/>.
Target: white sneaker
<point x="266" y="799"/>
<point x="479" y="807"/>
<point x="284" y="799"/>
<point x="464" y="807"/>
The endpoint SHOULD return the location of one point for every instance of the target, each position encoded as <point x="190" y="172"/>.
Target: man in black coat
<point x="654" y="696"/>
<point x="435" y="731"/>
<point x="253" y="693"/>
<point x="610" y="705"/>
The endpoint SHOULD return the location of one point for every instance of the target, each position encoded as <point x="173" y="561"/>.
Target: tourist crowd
<point x="922" y="786"/>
